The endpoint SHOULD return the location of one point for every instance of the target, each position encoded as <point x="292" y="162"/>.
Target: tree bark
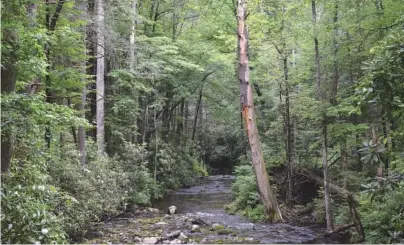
<point x="289" y="141"/>
<point x="132" y="65"/>
<point x="267" y="196"/>
<point x="166" y="115"/>
<point x="198" y="104"/>
<point x="8" y="80"/>
<point x="335" y="82"/>
<point x="322" y="98"/>
<point x="100" y="83"/>
<point x="180" y="119"/>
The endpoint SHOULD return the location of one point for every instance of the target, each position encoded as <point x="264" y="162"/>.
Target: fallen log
<point x="336" y="230"/>
<point x="344" y="193"/>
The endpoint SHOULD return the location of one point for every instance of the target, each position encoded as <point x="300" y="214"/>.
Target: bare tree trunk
<point x="186" y="115"/>
<point x="100" y="77"/>
<point x="166" y="115"/>
<point x="198" y="105"/>
<point x="322" y="98"/>
<point x="156" y="145"/>
<point x="180" y="120"/>
<point x="81" y="132"/>
<point x="145" y="120"/>
<point x="344" y="161"/>
<point x="289" y="141"/>
<point x="8" y="80"/>
<point x="267" y="196"/>
<point x="334" y="89"/>
<point x="132" y="65"/>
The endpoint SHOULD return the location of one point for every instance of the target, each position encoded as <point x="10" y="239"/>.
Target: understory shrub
<point x="28" y="201"/>
<point x="246" y="200"/>
<point x="382" y="209"/>
<point x="141" y="186"/>
<point x="175" y="168"/>
<point x="97" y="191"/>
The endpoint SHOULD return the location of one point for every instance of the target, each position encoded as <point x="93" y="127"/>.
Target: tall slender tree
<point x="100" y="84"/>
<point x="322" y="97"/>
<point x="267" y="196"/>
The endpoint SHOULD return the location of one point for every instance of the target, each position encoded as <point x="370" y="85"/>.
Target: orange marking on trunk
<point x="245" y="115"/>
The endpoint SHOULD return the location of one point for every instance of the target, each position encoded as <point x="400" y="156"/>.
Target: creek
<point x="204" y="202"/>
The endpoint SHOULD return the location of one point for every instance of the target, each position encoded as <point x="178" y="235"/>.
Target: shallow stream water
<point x="205" y="202"/>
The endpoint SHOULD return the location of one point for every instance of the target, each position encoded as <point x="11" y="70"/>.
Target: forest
<point x="110" y="106"/>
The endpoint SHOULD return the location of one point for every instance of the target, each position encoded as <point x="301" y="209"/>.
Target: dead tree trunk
<point x="267" y="196"/>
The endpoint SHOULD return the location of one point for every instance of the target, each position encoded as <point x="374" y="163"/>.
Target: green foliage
<point x="28" y="201"/>
<point x="141" y="188"/>
<point x="383" y="211"/>
<point x="175" y="168"/>
<point x="97" y="191"/>
<point x="246" y="199"/>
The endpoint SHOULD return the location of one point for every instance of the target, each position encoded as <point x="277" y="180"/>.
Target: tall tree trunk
<point x="8" y="80"/>
<point x="334" y="89"/>
<point x="132" y="65"/>
<point x="267" y="196"/>
<point x="166" y="115"/>
<point x="180" y="119"/>
<point x="100" y="98"/>
<point x="322" y="98"/>
<point x="186" y="115"/>
<point x="198" y="105"/>
<point x="81" y="133"/>
<point x="289" y="140"/>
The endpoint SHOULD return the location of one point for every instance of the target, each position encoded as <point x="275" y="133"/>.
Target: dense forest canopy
<point x="110" y="104"/>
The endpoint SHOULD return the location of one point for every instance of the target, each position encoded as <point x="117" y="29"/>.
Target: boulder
<point x="183" y="238"/>
<point x="195" y="228"/>
<point x="172" y="210"/>
<point x="224" y="232"/>
<point x="217" y="226"/>
<point x="198" y="221"/>
<point x="137" y="239"/>
<point x="150" y="240"/>
<point x="153" y="210"/>
<point x="176" y="241"/>
<point x="173" y="235"/>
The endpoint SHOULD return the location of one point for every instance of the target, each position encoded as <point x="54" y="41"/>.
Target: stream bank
<point x="200" y="218"/>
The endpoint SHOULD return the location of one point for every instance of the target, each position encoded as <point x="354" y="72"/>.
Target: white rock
<point x="183" y="238"/>
<point x="195" y="228"/>
<point x="172" y="210"/>
<point x="161" y="223"/>
<point x="150" y="240"/>
<point x="176" y="241"/>
<point x="153" y="210"/>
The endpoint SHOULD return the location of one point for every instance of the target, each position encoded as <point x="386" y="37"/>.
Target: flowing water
<point x="204" y="202"/>
<point x="207" y="201"/>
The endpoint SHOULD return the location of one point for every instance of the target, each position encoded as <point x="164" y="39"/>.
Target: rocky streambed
<point x="200" y="218"/>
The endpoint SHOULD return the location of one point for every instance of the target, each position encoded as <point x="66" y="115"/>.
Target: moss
<point x="224" y="231"/>
<point x="217" y="227"/>
<point x="220" y="241"/>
